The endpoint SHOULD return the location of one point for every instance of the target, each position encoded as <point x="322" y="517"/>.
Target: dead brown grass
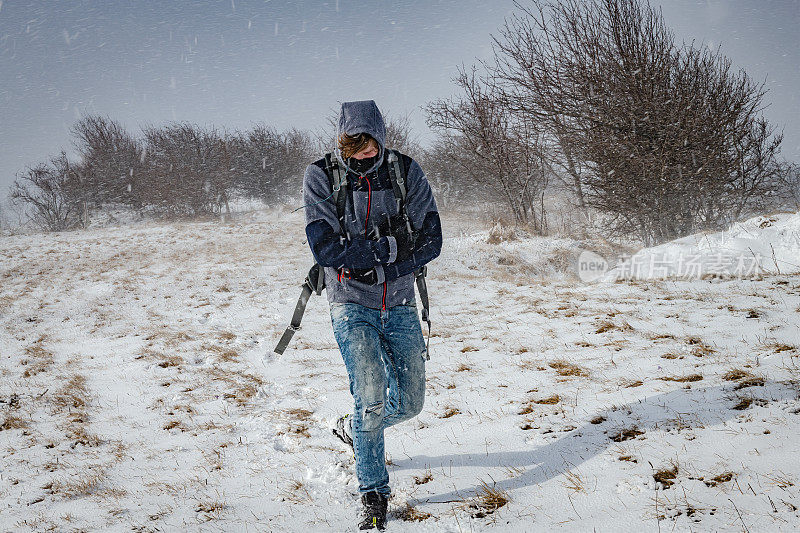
<point x="78" y="485"/>
<point x="565" y="368"/>
<point x="449" y="411"/>
<point x="752" y="381"/>
<point x="626" y="434"/>
<point x="666" y="476"/>
<point x="779" y="347"/>
<point x="73" y="395"/>
<point x="409" y="513"/>
<point x="427" y="477"/>
<point x="735" y="374"/>
<point x="550" y="400"/>
<point x="13" y="422"/>
<point x="699" y="348"/>
<point x="488" y="500"/>
<point x="721" y="478"/>
<point x="744" y="403"/>
<point x="683" y="379"/>
<point x="37" y="359"/>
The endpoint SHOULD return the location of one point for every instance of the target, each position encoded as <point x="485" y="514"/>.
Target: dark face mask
<point x="360" y="166"/>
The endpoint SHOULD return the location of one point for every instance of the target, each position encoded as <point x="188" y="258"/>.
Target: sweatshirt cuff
<point x="392" y="249"/>
<point x="380" y="274"/>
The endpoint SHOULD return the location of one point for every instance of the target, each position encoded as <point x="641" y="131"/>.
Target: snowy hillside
<point x="139" y="391"/>
<point x="760" y="245"/>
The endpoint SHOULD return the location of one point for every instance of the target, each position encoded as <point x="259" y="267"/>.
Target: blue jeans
<point x="384" y="352"/>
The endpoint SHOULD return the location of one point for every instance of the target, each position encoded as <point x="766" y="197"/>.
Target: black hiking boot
<point x="343" y="430"/>
<point x="374" y="511"/>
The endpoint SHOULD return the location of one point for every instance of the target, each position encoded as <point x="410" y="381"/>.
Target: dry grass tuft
<point x="409" y="513"/>
<point x="752" y="381"/>
<point x="699" y="348"/>
<point x="736" y="374"/>
<point x="468" y="348"/>
<point x="38" y="360"/>
<point x="722" y="478"/>
<point x="463" y="367"/>
<point x="779" y="347"/>
<point x="242" y="386"/>
<point x="172" y="424"/>
<point x="13" y="422"/>
<point x="72" y="395"/>
<point x="550" y="400"/>
<point x="77" y="486"/>
<point x="659" y="336"/>
<point x="210" y="509"/>
<point x="573" y="482"/>
<point x="172" y="360"/>
<point x="683" y="379"/>
<point x="449" y="411"/>
<point x="488" y="500"/>
<point x="631" y="383"/>
<point x="627" y="434"/>
<point x="599" y="419"/>
<point x="425" y="478"/>
<point x="604" y="326"/>
<point x="666" y="476"/>
<point x="300" y="414"/>
<point x="297" y="492"/>
<point x="744" y="403"/>
<point x="565" y="368"/>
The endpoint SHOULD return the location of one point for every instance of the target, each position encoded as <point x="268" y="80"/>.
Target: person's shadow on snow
<point x="693" y="407"/>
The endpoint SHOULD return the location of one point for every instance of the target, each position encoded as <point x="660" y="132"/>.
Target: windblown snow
<point x="139" y="389"/>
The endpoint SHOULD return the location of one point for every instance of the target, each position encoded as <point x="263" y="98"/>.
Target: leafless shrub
<point x="666" y="139"/>
<point x="495" y="146"/>
<point x="49" y="194"/>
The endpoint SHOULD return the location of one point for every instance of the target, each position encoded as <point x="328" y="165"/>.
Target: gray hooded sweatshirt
<point x="370" y="205"/>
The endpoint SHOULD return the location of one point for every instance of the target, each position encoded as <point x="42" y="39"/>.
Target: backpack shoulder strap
<point x="399" y="185"/>
<point x="338" y="181"/>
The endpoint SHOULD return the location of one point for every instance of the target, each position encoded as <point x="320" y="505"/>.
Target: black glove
<point x="368" y="276"/>
<point x="405" y="244"/>
<point x="396" y="227"/>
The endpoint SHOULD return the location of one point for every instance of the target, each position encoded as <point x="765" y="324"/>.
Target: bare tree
<point x="789" y="187"/>
<point x="111" y="161"/>
<point x="48" y="193"/>
<point x="669" y="138"/>
<point x="269" y="164"/>
<point x="188" y="170"/>
<point x="505" y="150"/>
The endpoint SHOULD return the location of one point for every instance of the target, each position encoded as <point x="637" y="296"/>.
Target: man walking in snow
<point x="371" y="245"/>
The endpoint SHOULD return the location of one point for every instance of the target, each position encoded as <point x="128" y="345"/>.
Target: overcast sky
<point x="232" y="63"/>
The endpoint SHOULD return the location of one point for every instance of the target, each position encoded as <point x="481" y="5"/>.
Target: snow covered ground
<point x="139" y="391"/>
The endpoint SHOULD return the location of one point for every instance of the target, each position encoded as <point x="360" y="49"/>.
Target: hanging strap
<point x="314" y="283"/>
<point x="422" y="289"/>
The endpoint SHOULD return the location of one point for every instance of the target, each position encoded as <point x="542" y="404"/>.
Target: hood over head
<point x="361" y="117"/>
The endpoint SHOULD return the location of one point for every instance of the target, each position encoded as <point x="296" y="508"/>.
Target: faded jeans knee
<point x="372" y="416"/>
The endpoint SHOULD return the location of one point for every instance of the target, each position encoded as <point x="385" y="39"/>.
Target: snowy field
<point x="139" y="391"/>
